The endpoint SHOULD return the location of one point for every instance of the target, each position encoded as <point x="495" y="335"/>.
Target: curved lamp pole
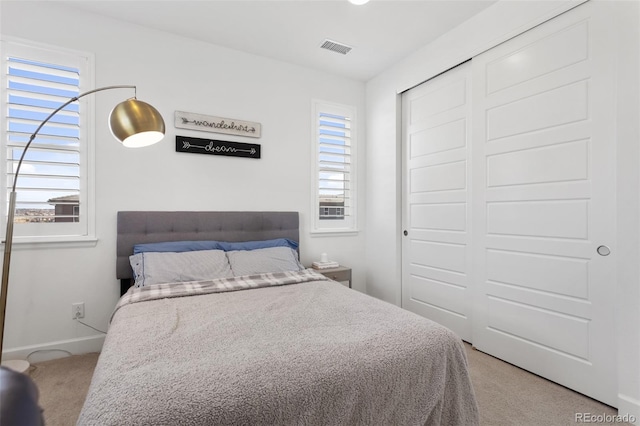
<point x="132" y="122"/>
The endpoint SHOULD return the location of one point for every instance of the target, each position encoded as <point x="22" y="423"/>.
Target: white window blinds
<point x="51" y="186"/>
<point x="334" y="163"/>
<point x="50" y="173"/>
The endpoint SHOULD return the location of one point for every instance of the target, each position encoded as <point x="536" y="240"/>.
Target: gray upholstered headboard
<point x="137" y="227"/>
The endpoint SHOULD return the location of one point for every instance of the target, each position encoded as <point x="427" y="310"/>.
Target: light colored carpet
<point x="506" y="394"/>
<point x="63" y="384"/>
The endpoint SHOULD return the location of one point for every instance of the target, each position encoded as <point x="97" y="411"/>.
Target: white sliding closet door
<point x="436" y="248"/>
<point x="544" y="201"/>
<point x="509" y="202"/>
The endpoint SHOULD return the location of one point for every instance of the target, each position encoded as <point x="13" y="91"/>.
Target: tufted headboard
<point x="137" y="227"/>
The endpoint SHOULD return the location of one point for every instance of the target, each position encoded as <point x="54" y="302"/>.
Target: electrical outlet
<point x="77" y="310"/>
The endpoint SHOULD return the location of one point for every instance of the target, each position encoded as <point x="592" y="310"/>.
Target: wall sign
<point x="209" y="123"/>
<point x="215" y="147"/>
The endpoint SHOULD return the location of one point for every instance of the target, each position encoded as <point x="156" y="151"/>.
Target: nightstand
<point x="340" y="274"/>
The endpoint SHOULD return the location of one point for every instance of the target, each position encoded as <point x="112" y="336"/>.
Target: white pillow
<point x="260" y="261"/>
<point x="170" y="267"/>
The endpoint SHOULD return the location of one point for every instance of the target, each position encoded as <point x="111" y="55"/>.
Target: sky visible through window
<point x="51" y="168"/>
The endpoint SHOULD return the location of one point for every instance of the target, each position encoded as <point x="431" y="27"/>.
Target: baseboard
<point x="54" y="350"/>
<point x="630" y="407"/>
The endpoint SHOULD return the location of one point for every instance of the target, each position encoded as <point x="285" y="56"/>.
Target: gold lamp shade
<point x="136" y="123"/>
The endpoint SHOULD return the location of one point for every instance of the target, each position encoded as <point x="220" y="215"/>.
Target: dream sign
<point x="216" y="147"/>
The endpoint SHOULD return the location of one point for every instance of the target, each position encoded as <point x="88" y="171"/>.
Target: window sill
<point x="334" y="232"/>
<point x="53" y="242"/>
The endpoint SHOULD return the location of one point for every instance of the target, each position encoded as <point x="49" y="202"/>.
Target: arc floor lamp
<point x="133" y="122"/>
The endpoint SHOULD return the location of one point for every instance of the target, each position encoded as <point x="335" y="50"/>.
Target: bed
<point x="287" y="347"/>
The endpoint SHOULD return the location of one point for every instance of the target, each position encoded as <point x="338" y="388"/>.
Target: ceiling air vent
<point x="334" y="46"/>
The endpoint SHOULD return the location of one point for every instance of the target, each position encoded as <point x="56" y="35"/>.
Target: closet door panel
<point x="544" y="201"/>
<point x="539" y="165"/>
<point x="436" y="251"/>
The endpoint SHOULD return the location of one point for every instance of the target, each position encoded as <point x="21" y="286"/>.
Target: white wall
<point x="628" y="192"/>
<point x="172" y="73"/>
<point x="494" y="25"/>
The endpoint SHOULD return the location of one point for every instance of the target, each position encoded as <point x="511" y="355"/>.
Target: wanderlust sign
<point x="209" y="123"/>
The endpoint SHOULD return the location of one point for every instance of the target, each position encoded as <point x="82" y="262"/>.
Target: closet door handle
<point x="405" y="233"/>
<point x="603" y="250"/>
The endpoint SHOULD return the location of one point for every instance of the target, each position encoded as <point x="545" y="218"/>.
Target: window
<point x="52" y="200"/>
<point x="333" y="161"/>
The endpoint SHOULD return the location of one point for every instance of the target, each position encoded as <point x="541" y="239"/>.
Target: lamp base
<point x="18" y="365"/>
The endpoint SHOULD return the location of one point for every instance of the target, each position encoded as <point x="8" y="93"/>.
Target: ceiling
<point x="381" y="32"/>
